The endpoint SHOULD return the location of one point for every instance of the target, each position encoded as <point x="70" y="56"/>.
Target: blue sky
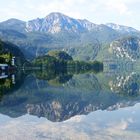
<point x="125" y="12"/>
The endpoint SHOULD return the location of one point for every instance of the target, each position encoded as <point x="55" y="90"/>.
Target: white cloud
<point x="117" y="5"/>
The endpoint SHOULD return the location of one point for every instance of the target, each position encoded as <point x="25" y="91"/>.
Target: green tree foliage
<point x="60" y="55"/>
<point x="61" y="60"/>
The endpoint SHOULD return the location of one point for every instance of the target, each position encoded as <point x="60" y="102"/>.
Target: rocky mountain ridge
<point x="56" y="22"/>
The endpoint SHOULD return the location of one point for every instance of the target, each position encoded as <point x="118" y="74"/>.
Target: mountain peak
<point x="12" y="21"/>
<point x="56" y="22"/>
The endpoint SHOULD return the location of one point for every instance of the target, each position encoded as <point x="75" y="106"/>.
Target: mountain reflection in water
<point x="60" y="95"/>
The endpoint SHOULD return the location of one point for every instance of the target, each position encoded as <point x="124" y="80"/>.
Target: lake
<point x="46" y="105"/>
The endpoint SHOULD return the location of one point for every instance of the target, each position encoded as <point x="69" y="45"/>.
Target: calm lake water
<point x="44" y="105"/>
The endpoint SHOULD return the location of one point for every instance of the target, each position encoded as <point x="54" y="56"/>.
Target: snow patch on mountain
<point x="121" y="28"/>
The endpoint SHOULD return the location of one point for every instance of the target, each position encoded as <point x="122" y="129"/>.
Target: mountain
<point x="57" y="22"/>
<point x="82" y="39"/>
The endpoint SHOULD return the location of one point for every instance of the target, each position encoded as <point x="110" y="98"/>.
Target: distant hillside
<point x="127" y="47"/>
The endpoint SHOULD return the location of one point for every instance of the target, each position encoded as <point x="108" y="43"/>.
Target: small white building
<point x="13" y="61"/>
